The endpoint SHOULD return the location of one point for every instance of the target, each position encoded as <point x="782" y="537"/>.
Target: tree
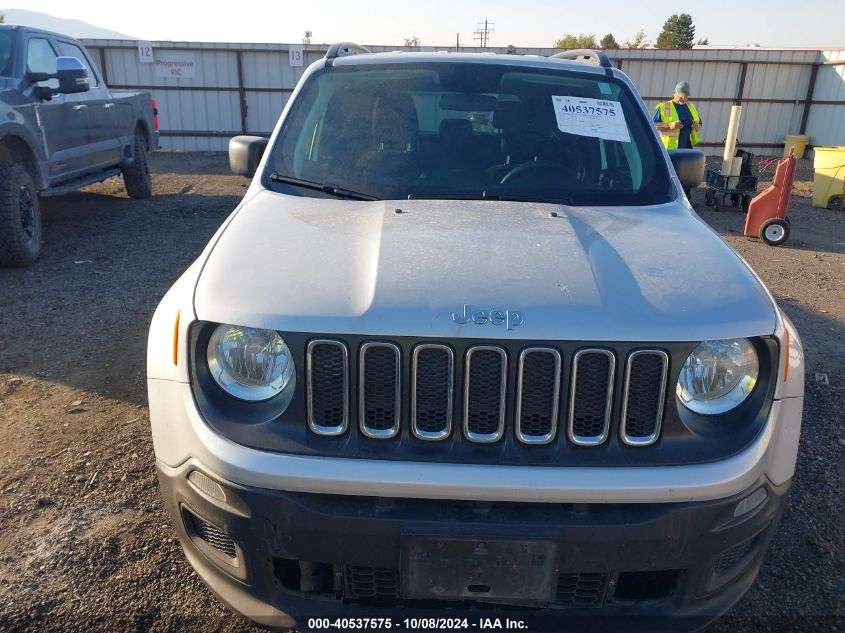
<point x="704" y="42"/>
<point x="583" y="40"/>
<point x="608" y="41"/>
<point x="1" y="18"/>
<point x="678" y="32"/>
<point x="640" y="40"/>
<point x="413" y="41"/>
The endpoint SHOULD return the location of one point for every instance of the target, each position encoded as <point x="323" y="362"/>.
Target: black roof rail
<point x="342" y="49"/>
<point x="599" y="57"/>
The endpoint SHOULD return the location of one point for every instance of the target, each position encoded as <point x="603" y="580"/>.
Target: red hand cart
<point x="767" y="214"/>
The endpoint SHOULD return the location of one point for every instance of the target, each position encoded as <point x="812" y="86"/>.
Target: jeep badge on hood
<point x="510" y="318"/>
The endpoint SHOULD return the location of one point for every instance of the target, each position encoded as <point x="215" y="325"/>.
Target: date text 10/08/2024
<point x="417" y="624"/>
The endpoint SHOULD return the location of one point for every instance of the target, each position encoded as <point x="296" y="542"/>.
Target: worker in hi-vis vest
<point x="677" y="120"/>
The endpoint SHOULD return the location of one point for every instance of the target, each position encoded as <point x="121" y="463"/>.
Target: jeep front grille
<point x="432" y="388"/>
<point x="482" y="394"/>
<point x="593" y="373"/>
<point x="537" y="395"/>
<point x="379" y="389"/>
<point x="327" y="370"/>
<point x="645" y="390"/>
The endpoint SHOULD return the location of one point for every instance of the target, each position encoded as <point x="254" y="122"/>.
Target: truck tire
<point x="136" y="176"/>
<point x="20" y="217"/>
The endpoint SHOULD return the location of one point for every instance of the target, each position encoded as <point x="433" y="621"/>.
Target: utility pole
<point x="457" y="42"/>
<point x="483" y="32"/>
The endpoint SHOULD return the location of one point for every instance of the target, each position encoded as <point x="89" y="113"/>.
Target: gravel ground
<point x="85" y="543"/>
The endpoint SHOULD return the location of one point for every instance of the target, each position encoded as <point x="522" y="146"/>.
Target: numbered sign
<point x="591" y="117"/>
<point x="145" y="52"/>
<point x="296" y="55"/>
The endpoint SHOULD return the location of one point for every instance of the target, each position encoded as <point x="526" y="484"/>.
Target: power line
<point x="483" y="32"/>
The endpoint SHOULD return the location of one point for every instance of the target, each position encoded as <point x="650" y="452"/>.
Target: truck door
<point x="103" y="120"/>
<point x="63" y="123"/>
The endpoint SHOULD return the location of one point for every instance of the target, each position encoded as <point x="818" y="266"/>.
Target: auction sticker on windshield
<point x="591" y="117"/>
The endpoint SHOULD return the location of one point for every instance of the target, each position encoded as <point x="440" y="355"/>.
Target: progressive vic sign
<point x="175" y="64"/>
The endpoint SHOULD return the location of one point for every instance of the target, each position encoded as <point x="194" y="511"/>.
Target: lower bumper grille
<point x="581" y="590"/>
<point x="361" y="583"/>
<point x="731" y="558"/>
<point x="209" y="533"/>
<point x="372" y="583"/>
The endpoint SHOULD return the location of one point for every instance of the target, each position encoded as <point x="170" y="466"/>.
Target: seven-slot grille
<point x="533" y="393"/>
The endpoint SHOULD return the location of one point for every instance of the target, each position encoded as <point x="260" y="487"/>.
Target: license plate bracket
<point x="479" y="568"/>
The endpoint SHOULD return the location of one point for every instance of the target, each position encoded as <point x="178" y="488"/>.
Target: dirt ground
<point x="85" y="543"/>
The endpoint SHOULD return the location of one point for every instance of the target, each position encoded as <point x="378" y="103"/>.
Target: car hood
<point x="569" y="273"/>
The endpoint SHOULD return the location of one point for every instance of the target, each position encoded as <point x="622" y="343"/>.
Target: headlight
<point x="248" y="363"/>
<point x="718" y="376"/>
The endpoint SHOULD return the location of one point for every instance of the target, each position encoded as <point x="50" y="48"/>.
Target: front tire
<point x="20" y="217"/>
<point x="136" y="176"/>
<point x="774" y="232"/>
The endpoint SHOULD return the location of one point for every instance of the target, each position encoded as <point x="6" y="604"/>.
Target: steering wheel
<point x="538" y="172"/>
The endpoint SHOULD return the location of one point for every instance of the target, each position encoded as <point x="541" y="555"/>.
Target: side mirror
<point x="245" y="153"/>
<point x="72" y="76"/>
<point x="689" y="165"/>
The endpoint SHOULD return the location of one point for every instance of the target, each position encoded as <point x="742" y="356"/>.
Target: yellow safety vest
<point x="669" y="114"/>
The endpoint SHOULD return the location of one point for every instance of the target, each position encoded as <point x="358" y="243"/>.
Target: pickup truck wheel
<point x="20" y="217"/>
<point x="136" y="176"/>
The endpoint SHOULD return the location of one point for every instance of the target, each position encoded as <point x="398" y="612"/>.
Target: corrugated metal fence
<point x="242" y="88"/>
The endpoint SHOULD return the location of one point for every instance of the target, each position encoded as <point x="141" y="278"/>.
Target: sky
<point x="525" y="23"/>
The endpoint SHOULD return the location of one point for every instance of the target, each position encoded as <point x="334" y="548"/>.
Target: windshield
<point x="6" y="49"/>
<point x="469" y="130"/>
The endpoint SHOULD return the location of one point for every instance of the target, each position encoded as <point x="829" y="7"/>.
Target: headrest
<point x="507" y="115"/>
<point x="456" y="128"/>
<point x="395" y="123"/>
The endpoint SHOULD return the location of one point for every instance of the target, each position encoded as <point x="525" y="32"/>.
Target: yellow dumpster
<point x="829" y="178"/>
<point x="797" y="141"/>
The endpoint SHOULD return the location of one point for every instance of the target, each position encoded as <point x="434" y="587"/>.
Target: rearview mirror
<point x="689" y="165"/>
<point x="245" y="154"/>
<point x="464" y="102"/>
<point x="72" y="75"/>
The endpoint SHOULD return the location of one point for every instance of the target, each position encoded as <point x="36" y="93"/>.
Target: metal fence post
<point x="241" y="91"/>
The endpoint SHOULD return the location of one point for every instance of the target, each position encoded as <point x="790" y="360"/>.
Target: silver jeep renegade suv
<point x="464" y="345"/>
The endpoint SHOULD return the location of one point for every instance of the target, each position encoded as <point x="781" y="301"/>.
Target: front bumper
<point x="299" y="555"/>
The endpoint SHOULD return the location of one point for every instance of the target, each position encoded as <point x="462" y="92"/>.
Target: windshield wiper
<point x="488" y="195"/>
<point x="334" y="190"/>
